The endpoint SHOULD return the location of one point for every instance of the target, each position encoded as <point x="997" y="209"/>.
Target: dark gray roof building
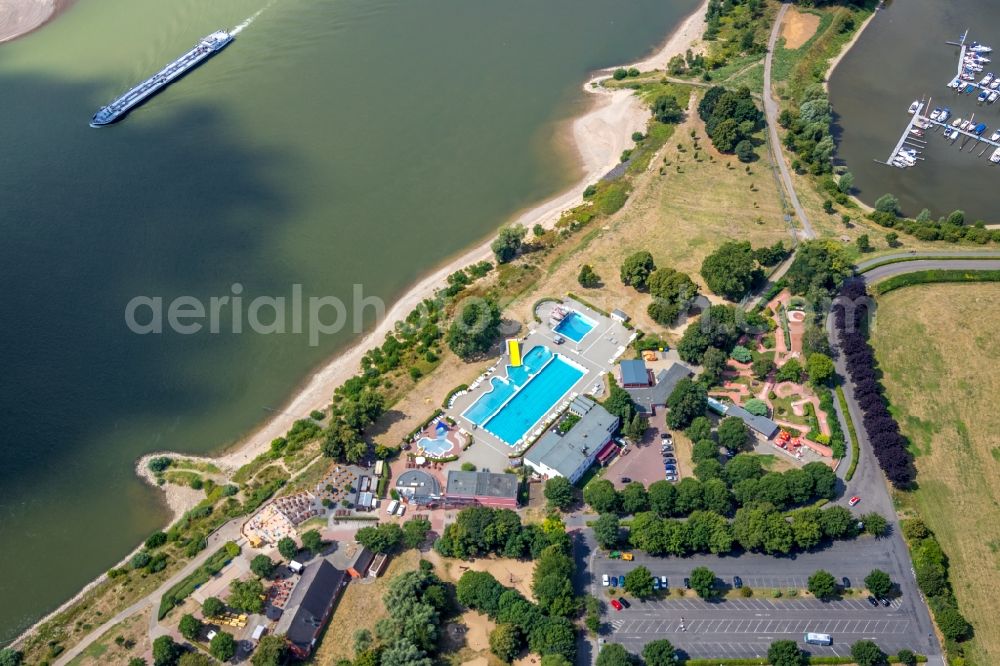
<point x="418" y="486"/>
<point x="760" y="424"/>
<point x="309" y="606"/>
<point x="633" y="372"/>
<point x="646" y="399"/>
<point x="486" y="488"/>
<point x="571" y="454"/>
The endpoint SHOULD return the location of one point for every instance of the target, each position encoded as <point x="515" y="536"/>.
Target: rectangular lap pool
<point x="516" y="404"/>
<point x="575" y="326"/>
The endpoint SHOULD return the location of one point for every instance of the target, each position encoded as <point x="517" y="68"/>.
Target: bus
<point x="819" y="639"/>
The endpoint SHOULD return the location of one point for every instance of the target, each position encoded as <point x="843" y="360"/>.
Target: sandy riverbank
<point x="600" y="136"/>
<point x="19" y="17"/>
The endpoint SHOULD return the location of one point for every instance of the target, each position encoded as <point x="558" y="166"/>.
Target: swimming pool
<point x="437" y="447"/>
<point x="575" y="326"/>
<point x="515" y="405"/>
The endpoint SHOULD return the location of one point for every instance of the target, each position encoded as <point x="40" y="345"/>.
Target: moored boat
<point x="995" y="157"/>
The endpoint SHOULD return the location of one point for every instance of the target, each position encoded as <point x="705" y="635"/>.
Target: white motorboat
<point x="935" y="113"/>
<point x="958" y="121"/>
<point x="913" y="107"/>
<point x="994" y="96"/>
<point x="995" y="157"/>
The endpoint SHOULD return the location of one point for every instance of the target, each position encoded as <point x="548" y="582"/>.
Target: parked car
<point x="614" y="581"/>
<point x="558" y="339"/>
<point x="666" y="436"/>
<point x="687" y="583"/>
<point x="628" y="557"/>
<point x="605" y="581"/>
<point x="626" y="479"/>
<point x="670" y="461"/>
<point x="854" y="501"/>
<point x="616" y="604"/>
<point x="656" y="583"/>
<point x="624" y="602"/>
<point x="846" y="581"/>
<point x="666" y="449"/>
<point x="737" y="582"/>
<point x="670" y="467"/>
<point x="885" y="602"/>
<point x="872" y="600"/>
<point x="663" y="582"/>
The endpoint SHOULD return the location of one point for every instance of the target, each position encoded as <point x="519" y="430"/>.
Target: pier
<point x="909" y="147"/>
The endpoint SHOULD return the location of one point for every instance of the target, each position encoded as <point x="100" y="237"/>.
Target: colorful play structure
<point x="514" y="351"/>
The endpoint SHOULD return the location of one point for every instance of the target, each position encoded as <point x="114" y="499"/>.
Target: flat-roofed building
<point x="571" y="454"/>
<point x="483" y="488"/>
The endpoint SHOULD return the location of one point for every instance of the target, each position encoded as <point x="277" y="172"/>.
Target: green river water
<point x="334" y="142"/>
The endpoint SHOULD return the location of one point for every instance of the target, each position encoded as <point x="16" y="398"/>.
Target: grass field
<point x="936" y="345"/>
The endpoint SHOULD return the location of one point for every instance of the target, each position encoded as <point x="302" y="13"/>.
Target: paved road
<point x="771" y="113"/>
<point x="899" y="268"/>
<point x="929" y="254"/>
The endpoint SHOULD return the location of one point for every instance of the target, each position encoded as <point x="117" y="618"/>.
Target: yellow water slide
<point x="514" y="351"/>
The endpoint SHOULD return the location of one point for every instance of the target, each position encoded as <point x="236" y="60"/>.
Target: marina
<point x="966" y="132"/>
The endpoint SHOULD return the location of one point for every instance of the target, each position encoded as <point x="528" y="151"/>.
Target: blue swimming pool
<point x="437" y="447"/>
<point x="575" y="326"/>
<point x="514" y="405"/>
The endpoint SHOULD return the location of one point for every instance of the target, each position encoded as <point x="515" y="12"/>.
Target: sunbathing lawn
<point x="937" y="347"/>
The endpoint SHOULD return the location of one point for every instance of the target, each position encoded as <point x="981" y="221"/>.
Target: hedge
<point x="762" y="661"/>
<point x="934" y="275"/>
<point x="182" y="590"/>
<point x="855" y="447"/>
<point x="534" y="308"/>
<point x="413" y="433"/>
<point x="451" y="394"/>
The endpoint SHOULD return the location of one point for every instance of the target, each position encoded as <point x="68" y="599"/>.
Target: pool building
<point x="498" y="491"/>
<point x="571" y="454"/>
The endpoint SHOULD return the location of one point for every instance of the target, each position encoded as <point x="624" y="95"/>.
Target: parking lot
<point x="745" y="627"/>
<point x="643" y="462"/>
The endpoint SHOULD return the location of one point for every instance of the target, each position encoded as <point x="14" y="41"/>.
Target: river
<point x="332" y="143"/>
<point x="900" y="57"/>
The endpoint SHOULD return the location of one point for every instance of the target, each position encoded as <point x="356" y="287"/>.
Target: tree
<point x="559" y="492"/>
<point x="819" y="265"/>
<point x="246" y="595"/>
<point x="864" y="243"/>
<point x="508" y="242"/>
<point x="415" y="531"/>
<point x="703" y="582"/>
<point x="381" y="538"/>
<point x="820" y="369"/>
<point x="636" y="427"/>
<point x="10" y="657"/>
<point x="952" y="623"/>
<point x="613" y="654"/>
<point x="262" y="566"/>
<point x="637" y="268"/>
<point x="786" y="653"/>
<point x="271" y="651"/>
<point x="222" y="646"/>
<point x="189" y="626"/>
<point x="601" y="496"/>
<point x="878" y="583"/>
<point x="196" y="659"/>
<point x="906" y="657"/>
<point x="875" y="524"/>
<point x="762" y="366"/>
<point x="700" y="428"/>
<point x="474" y="329"/>
<point x="731" y="271"/>
<point x="212" y="607"/>
<point x="887" y="204"/>
<point x="791" y="371"/>
<point x="845" y="182"/>
<point x="733" y="433"/>
<point x="607" y="530"/>
<point x="667" y="110"/>
<point x="639" y="582"/>
<point x="505" y="641"/>
<point x="823" y="585"/>
<point x="687" y="401"/>
<point x="288" y="548"/>
<point x="867" y="653"/>
<point x="662" y="496"/>
<point x="741" y="354"/>
<point x="756" y="406"/>
<point x="588" y="278"/>
<point x="313" y="541"/>
<point x="745" y="151"/>
<point x="555" y="660"/>
<point x="165" y="651"/>
<point x="713" y="364"/>
<point x="633" y="498"/>
<point x="660" y="653"/>
<point x="892" y="239"/>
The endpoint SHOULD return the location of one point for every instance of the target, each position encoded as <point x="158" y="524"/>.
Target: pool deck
<point x="596" y="354"/>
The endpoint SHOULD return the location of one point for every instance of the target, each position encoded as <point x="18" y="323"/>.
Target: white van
<point x="819" y="639"/>
<point x="391" y="509"/>
<point x="401" y="509"/>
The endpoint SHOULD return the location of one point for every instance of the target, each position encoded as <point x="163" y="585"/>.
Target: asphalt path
<point x="929" y="254"/>
<point x="889" y="270"/>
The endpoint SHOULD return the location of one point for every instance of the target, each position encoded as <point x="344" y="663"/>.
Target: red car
<point x="616" y="604"/>
<point x="854" y="500"/>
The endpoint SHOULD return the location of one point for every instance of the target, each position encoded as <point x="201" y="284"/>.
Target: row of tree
<point x="851" y="313"/>
<point x="952" y="228"/>
<point x="479" y="531"/>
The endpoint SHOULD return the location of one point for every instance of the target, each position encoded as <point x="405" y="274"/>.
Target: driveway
<point x="643" y="462"/>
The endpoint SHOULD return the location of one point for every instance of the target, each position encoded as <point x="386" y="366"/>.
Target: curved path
<point x="771" y="114"/>
<point x="946" y="255"/>
<point x="868" y="483"/>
